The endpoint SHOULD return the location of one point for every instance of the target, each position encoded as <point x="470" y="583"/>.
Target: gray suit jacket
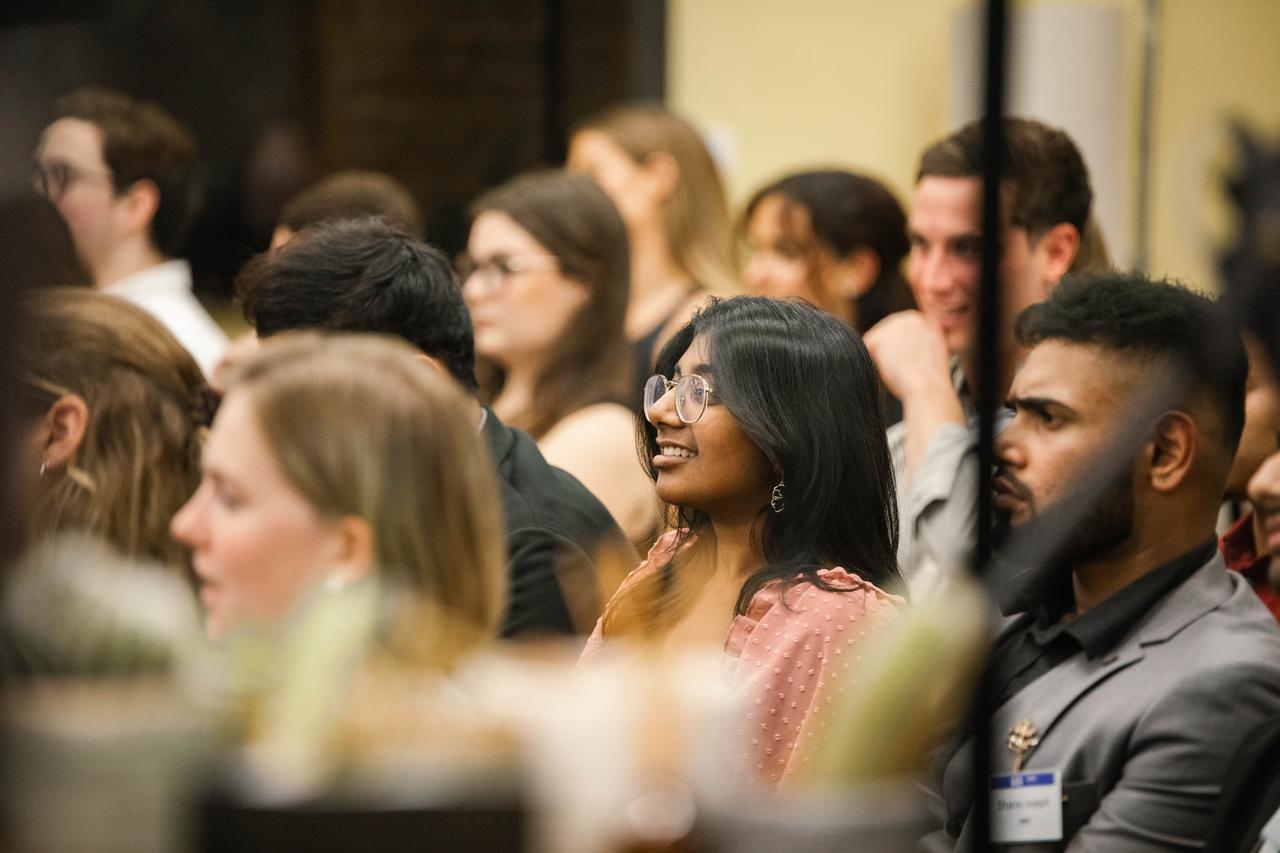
<point x="1142" y="736"/>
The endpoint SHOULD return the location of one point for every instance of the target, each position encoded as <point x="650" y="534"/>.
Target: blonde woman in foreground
<point x="339" y="459"/>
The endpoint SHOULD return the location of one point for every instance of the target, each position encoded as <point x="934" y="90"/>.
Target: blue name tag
<point x="1026" y="807"/>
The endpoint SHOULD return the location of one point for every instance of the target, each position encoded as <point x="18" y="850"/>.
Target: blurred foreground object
<point x="105" y="737"/>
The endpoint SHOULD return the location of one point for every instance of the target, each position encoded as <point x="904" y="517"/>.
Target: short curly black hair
<point x="1161" y="320"/>
<point x="362" y="275"/>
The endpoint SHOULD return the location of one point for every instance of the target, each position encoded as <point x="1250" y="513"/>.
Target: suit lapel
<point x="1045" y="700"/>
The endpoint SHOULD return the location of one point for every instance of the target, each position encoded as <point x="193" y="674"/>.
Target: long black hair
<point x="802" y="386"/>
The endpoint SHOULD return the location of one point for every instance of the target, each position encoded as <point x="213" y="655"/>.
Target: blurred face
<point x="1261" y="421"/>
<point x="784" y="258"/>
<point x="1264" y="492"/>
<point x="257" y="544"/>
<point x="944" y="266"/>
<point x="1068" y="399"/>
<point x="520" y="302"/>
<point x="594" y="154"/>
<point x="710" y="465"/>
<point x="79" y="183"/>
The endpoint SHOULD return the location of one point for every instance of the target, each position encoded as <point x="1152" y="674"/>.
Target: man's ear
<point x="434" y="363"/>
<point x="1057" y="248"/>
<point x="1172" y="450"/>
<point x="281" y="235"/>
<point x="662" y="173"/>
<point x="140" y="202"/>
<point x="856" y="272"/>
<point x="64" y="427"/>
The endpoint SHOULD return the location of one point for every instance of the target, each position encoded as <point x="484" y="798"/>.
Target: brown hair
<point x="1048" y="175"/>
<point x="353" y="194"/>
<point x="361" y="427"/>
<point x="572" y="218"/>
<point x="140" y="141"/>
<point x="696" y="215"/>
<point x="139" y="460"/>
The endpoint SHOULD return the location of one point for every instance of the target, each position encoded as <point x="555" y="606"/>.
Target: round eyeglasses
<point x="692" y="395"/>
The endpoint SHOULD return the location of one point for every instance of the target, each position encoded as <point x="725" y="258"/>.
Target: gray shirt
<point x="937" y="509"/>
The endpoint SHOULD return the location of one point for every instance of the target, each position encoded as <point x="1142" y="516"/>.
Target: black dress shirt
<point x="1044" y="637"/>
<point x="558" y="536"/>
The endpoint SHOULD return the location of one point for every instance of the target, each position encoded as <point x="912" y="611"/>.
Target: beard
<point x="1107" y="524"/>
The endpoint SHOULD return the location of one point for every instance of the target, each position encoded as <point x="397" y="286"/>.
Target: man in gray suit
<point x="1134" y="664"/>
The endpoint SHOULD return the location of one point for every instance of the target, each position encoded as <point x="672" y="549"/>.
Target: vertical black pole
<point x="989" y="380"/>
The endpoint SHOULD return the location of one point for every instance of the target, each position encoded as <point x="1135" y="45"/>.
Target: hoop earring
<point x="776" y="502"/>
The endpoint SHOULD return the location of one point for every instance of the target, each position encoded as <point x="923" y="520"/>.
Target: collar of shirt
<point x="1100" y="628"/>
<point x="1238" y="548"/>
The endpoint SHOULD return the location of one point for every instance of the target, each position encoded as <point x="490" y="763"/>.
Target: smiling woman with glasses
<point x="546" y="280"/>
<point x="764" y="436"/>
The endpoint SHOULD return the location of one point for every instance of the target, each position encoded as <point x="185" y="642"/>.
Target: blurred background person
<point x="349" y="194"/>
<point x="337" y="458"/>
<point x="112" y="413"/>
<point x="124" y="174"/>
<point x="764" y="436"/>
<point x="1250" y="500"/>
<point x="659" y="173"/>
<point x="927" y="357"/>
<point x="362" y="275"/>
<point x="545" y="279"/>
<point x="833" y="238"/>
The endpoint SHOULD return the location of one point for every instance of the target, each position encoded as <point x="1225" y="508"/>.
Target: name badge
<point x="1026" y="807"/>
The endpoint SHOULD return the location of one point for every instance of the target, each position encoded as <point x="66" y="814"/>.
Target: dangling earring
<point x="44" y="466"/>
<point x="776" y="502"/>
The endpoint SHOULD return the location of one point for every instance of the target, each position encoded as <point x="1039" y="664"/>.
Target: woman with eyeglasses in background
<point x="764" y="437"/>
<point x="546" y="281"/>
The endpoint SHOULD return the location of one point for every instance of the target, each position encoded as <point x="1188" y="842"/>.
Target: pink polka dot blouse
<point x="789" y="657"/>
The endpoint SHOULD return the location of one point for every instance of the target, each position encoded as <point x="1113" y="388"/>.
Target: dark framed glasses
<point x="692" y="395"/>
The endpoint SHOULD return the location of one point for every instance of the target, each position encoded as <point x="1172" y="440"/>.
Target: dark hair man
<point x="1137" y="662"/>
<point x="124" y="174"/>
<point x="926" y="356"/>
<point x="364" y="276"/>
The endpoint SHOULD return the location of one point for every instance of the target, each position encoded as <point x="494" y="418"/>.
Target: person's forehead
<point x="1083" y="376"/>
<point x="952" y="205"/>
<point x="496" y="231"/>
<point x="694" y="356"/>
<point x="74" y="141"/>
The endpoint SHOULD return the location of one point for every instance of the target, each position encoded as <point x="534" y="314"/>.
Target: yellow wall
<point x="864" y="83"/>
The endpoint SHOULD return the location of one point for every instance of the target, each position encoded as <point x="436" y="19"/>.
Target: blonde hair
<point x="696" y="214"/>
<point x="139" y="459"/>
<point x="360" y="427"/>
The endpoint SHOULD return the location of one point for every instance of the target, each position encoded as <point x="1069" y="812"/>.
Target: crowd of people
<point x="781" y="413"/>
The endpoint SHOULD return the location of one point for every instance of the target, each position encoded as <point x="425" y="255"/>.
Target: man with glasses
<point x="565" y="552"/>
<point x="124" y="176"/>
